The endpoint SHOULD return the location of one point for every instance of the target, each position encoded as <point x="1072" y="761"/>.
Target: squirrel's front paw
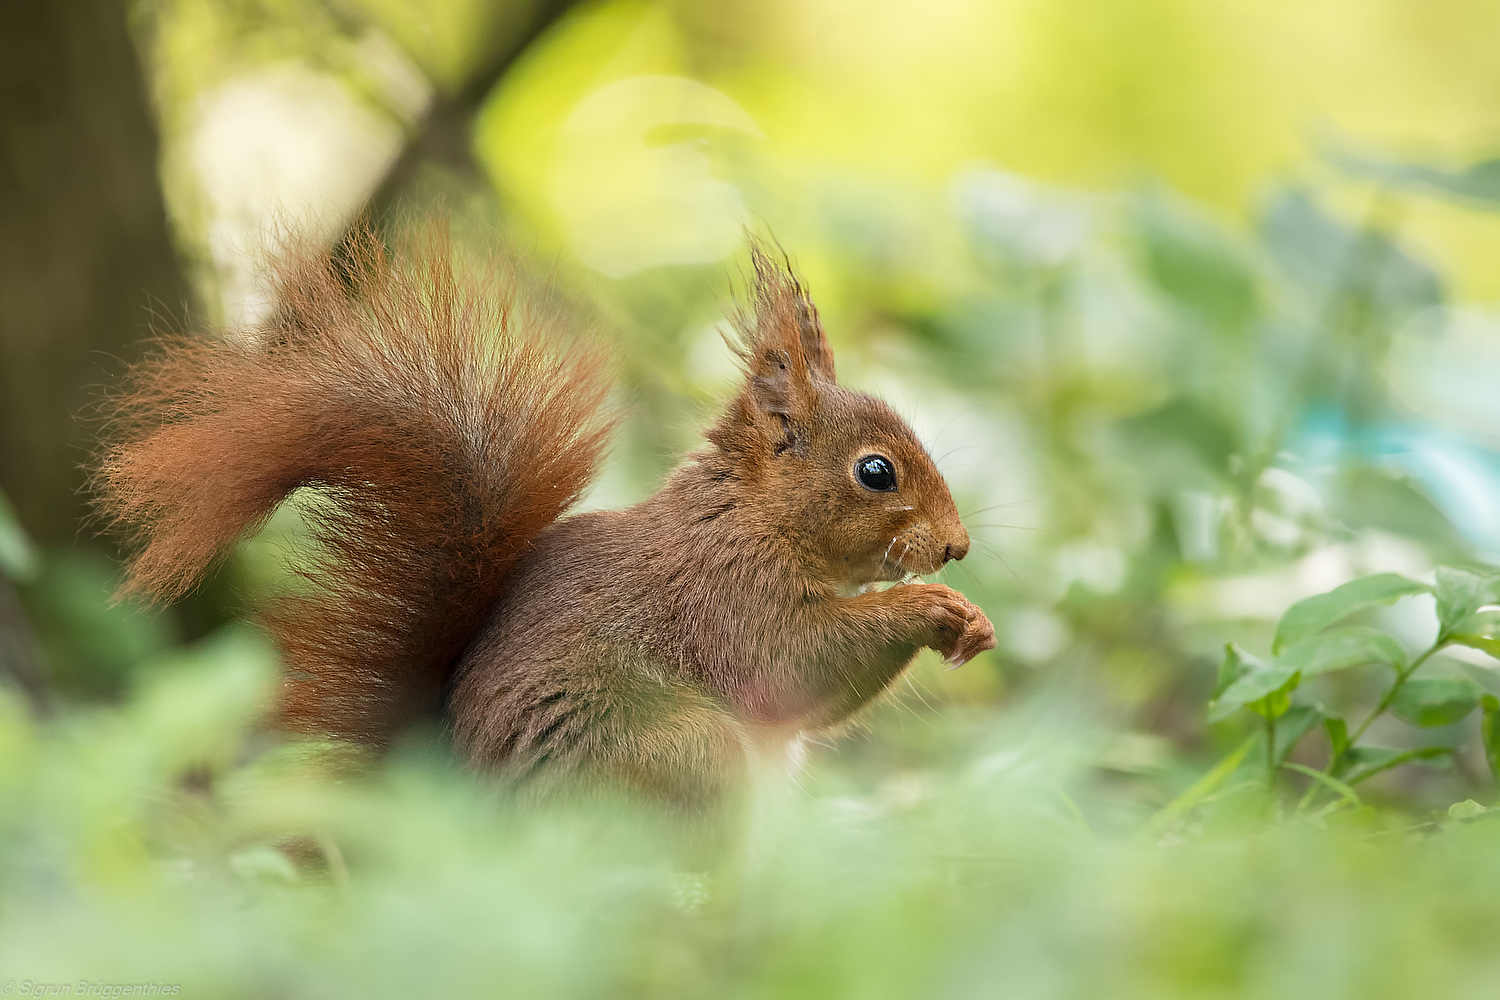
<point x="959" y="630"/>
<point x="976" y="638"/>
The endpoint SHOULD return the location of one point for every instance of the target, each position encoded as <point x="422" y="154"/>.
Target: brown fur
<point x="652" y="649"/>
<point x="436" y="430"/>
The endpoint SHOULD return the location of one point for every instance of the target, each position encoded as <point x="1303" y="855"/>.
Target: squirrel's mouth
<point x="893" y="575"/>
<point x="895" y="572"/>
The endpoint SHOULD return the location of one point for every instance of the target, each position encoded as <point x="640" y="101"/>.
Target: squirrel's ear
<point x="784" y="347"/>
<point x="784" y="352"/>
<point x="786" y="321"/>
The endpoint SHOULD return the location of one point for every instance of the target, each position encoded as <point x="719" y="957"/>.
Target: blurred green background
<point x="1194" y="304"/>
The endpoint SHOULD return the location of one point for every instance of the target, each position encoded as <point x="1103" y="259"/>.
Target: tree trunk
<point x="85" y="254"/>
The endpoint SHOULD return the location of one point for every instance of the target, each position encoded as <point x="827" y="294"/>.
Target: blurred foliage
<point x="1191" y="305"/>
<point x="150" y="844"/>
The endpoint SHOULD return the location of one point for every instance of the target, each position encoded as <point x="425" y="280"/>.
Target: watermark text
<point x="87" y="988"/>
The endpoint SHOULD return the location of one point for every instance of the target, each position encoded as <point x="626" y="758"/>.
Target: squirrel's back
<point x="437" y="420"/>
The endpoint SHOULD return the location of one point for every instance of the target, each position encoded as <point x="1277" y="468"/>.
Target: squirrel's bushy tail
<point x="441" y="422"/>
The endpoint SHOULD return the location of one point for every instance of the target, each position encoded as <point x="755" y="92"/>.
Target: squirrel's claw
<point x="977" y="637"/>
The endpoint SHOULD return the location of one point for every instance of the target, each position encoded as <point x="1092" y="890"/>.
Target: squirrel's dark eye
<point x="875" y="473"/>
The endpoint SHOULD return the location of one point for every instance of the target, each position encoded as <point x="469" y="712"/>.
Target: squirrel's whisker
<point x="1000" y="506"/>
<point x="994" y="550"/>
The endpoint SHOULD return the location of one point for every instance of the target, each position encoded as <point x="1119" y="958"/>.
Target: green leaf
<point x="1294" y="725"/>
<point x="1484" y="643"/>
<point x="1390" y="501"/>
<point x="259" y="863"/>
<point x="18" y="557"/>
<point x="1489" y="732"/>
<point x="1338" y="735"/>
<point x="1316" y="613"/>
<point x="1200" y="789"/>
<point x="1435" y="701"/>
<point x="1468" y="809"/>
<point x="1480" y="631"/>
<point x="1486" y="622"/>
<point x="1276" y="703"/>
<point x="1184" y="442"/>
<point x="1478" y="184"/>
<point x="1460" y="593"/>
<point x="1342" y="648"/>
<point x="1198" y="264"/>
<point x="1314" y="250"/>
<point x="1257" y="684"/>
<point x="1366" y="762"/>
<point x="1236" y="664"/>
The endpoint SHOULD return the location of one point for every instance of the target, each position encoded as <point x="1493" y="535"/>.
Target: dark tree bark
<point x="84" y="246"/>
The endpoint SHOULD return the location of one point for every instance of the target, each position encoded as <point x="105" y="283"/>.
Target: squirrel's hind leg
<point x="599" y="732"/>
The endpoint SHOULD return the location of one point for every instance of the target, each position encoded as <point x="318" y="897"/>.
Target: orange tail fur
<point x="439" y="429"/>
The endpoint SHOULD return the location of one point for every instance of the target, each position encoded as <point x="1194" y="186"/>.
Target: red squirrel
<point x="444" y="425"/>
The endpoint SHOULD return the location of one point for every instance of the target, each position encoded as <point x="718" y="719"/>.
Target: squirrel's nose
<point x="956" y="551"/>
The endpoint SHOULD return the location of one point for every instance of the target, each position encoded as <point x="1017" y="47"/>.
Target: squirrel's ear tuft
<point x="785" y="354"/>
<point x="782" y="342"/>
<point x="785" y="328"/>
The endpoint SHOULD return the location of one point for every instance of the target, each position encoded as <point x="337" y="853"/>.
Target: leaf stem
<point x="1390" y="696"/>
<point x="1336" y="761"/>
<point x="1270" y="751"/>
